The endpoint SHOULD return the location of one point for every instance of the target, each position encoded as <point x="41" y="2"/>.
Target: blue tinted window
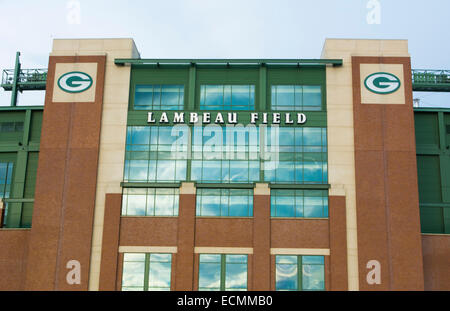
<point x="224" y="202"/>
<point x="159" y="97"/>
<point x="222" y="272"/>
<point x="296" y="97"/>
<point x="150" y="202"/>
<point x="146" y="272"/>
<point x="299" y="203"/>
<point x="227" y="97"/>
<point x="296" y="273"/>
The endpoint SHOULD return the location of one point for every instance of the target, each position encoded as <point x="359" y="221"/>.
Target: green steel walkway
<point x="18" y="80"/>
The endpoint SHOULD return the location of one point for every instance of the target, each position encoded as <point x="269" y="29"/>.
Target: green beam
<point x="15" y="81"/>
<point x="227" y="62"/>
<point x="149" y="185"/>
<point x="300" y="186"/>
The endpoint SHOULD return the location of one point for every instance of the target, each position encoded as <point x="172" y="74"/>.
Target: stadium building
<point x="225" y="174"/>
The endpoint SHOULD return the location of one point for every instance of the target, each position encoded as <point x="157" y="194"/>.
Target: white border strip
<point x="223" y="250"/>
<point x="148" y="249"/>
<point x="300" y="251"/>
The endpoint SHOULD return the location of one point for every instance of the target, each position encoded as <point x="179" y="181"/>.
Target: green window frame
<point x="6" y="172"/>
<point x="146" y="272"/>
<point x="299" y="273"/>
<point x="150" y="202"/>
<point x="301" y="155"/>
<point x="159" y="97"/>
<point x="222" y="272"/>
<point x="296" y="203"/>
<point x="296" y="97"/>
<point x="224" y="202"/>
<point x="237" y="97"/>
<point x="183" y="153"/>
<point x="150" y="155"/>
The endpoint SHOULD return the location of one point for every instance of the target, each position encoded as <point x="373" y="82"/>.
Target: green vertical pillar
<point x="16" y="81"/>
<point x="14" y="218"/>
<point x="262" y="88"/>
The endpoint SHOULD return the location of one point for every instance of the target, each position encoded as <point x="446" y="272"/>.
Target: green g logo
<point x="75" y="82"/>
<point x="382" y="83"/>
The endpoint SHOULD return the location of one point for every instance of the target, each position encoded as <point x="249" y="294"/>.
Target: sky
<point x="224" y="29"/>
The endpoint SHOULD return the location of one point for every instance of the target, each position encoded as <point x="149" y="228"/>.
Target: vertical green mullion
<point x="444" y="167"/>
<point x="191" y="106"/>
<point x="443" y="163"/>
<point x="262" y="89"/>
<point x="14" y="218"/>
<point x="146" y="271"/>
<point x="16" y="81"/>
<point x="300" y="273"/>
<point x="222" y="271"/>
<point x="191" y="87"/>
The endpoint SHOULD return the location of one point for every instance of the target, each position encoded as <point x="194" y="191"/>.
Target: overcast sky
<point x="225" y="29"/>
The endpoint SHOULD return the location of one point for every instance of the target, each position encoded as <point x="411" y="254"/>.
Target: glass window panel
<point x="164" y="205"/>
<point x="143" y="97"/>
<point x="159" y="274"/>
<point x="313" y="207"/>
<point x="312" y="171"/>
<point x="210" y="206"/>
<point x="285" y="207"/>
<point x="286" y="276"/>
<point x="215" y="258"/>
<point x="138" y="170"/>
<point x="315" y="260"/>
<point x="238" y="171"/>
<point x="240" y="97"/>
<point x="236" y="259"/>
<point x="312" y="97"/>
<point x="235" y="276"/>
<point x="313" y="277"/>
<point x="238" y="206"/>
<point x="133" y="273"/>
<point x="312" y="136"/>
<point x="170" y="97"/>
<point x="140" y="135"/>
<point x="211" y="170"/>
<point x="166" y="170"/>
<point x="136" y="205"/>
<point x="209" y="276"/>
<point x="282" y="259"/>
<point x="227" y="97"/>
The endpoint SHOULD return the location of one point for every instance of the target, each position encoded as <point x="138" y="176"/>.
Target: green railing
<point x="27" y="79"/>
<point x="431" y="80"/>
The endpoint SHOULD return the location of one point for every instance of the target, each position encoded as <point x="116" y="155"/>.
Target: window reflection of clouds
<point x="299" y="203"/>
<point x="150" y="202"/>
<point x="233" y="277"/>
<point x="158" y="269"/>
<point x="227" y="97"/>
<point x="224" y="202"/>
<point x="159" y="97"/>
<point x="312" y="272"/>
<point x="161" y="154"/>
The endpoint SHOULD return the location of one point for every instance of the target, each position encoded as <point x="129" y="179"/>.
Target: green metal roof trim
<point x="227" y="62"/>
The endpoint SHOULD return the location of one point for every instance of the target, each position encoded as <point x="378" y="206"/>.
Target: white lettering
<point x="288" y="119"/>
<point x="150" y="118"/>
<point x="276" y="118"/>
<point x="178" y="117"/>
<point x="301" y="118"/>
<point x="219" y="118"/>
<point x="164" y="118"/>
<point x="206" y="117"/>
<point x="193" y="117"/>
<point x="253" y="117"/>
